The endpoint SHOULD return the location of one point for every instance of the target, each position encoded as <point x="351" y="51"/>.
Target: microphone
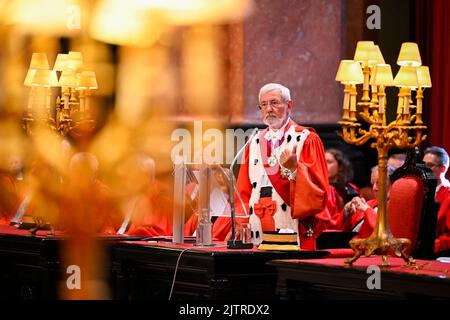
<point x="233" y="243"/>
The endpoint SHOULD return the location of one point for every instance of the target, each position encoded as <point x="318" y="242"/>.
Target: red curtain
<point x="433" y="37"/>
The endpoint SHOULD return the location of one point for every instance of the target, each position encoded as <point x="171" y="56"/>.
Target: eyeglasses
<point x="275" y="104"/>
<point x="431" y="165"/>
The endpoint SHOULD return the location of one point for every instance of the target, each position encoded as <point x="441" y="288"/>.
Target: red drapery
<point x="433" y="37"/>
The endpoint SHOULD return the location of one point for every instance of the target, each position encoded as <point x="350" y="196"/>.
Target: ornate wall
<point x="299" y="44"/>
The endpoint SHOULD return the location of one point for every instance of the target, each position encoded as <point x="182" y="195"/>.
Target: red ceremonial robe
<point x="370" y="220"/>
<point x="306" y="195"/>
<point x="442" y="194"/>
<point x="8" y="198"/>
<point x="442" y="241"/>
<point x="152" y="215"/>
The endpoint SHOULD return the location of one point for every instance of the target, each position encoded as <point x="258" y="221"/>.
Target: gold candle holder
<point x="405" y="132"/>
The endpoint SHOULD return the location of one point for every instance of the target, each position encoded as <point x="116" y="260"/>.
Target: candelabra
<point x="71" y="112"/>
<point x="405" y="131"/>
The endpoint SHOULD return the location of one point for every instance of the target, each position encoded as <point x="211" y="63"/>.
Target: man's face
<point x="432" y="161"/>
<point x="374" y="181"/>
<point x="274" y="110"/>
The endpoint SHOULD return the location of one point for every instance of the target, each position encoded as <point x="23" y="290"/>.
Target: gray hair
<point x="285" y="92"/>
<point x="84" y="157"/>
<point x="390" y="170"/>
<point x="147" y="164"/>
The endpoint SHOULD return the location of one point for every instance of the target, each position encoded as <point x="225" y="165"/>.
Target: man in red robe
<point x="283" y="175"/>
<point x="360" y="215"/>
<point x="145" y="202"/>
<point x="87" y="206"/>
<point x="437" y="159"/>
<point x="8" y="198"/>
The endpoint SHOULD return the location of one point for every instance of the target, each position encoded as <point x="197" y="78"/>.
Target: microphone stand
<point x="233" y="243"/>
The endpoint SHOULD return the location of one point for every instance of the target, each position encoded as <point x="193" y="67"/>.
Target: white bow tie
<point x="273" y="135"/>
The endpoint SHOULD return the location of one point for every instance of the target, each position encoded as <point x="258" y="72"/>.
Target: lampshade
<point x="118" y="22"/>
<point x="86" y="80"/>
<point x="382" y="75"/>
<point x="409" y="55"/>
<point x="68" y="79"/>
<point x="175" y="12"/>
<point x="46" y="78"/>
<point x="61" y="61"/>
<point x="29" y="77"/>
<point x="375" y="56"/>
<point x="363" y="50"/>
<point x="423" y="75"/>
<point x="349" y="72"/>
<point x="39" y="61"/>
<point x="74" y="61"/>
<point x="406" y="77"/>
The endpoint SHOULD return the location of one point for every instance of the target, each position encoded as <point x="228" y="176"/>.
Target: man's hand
<point x="360" y="204"/>
<point x="288" y="159"/>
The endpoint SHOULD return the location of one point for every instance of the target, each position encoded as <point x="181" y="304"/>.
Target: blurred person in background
<point x="437" y="160"/>
<point x="340" y="174"/>
<point x="87" y="205"/>
<point x="144" y="201"/>
<point x="361" y="215"/>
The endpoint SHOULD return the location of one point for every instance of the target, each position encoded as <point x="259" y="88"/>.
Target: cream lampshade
<point x="406" y="77"/>
<point x="45" y="78"/>
<point x="423" y="76"/>
<point x="29" y="77"/>
<point x="61" y="62"/>
<point x="382" y="75"/>
<point x="409" y="55"/>
<point x="68" y="79"/>
<point x="349" y="72"/>
<point x="375" y="56"/>
<point x="39" y="61"/>
<point x="74" y="61"/>
<point x="86" y="80"/>
<point x="363" y="50"/>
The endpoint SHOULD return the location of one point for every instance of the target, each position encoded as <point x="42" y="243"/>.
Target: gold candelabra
<point x="405" y="131"/>
<point x="72" y="110"/>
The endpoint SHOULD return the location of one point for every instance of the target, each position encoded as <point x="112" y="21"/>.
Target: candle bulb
<point x="419" y="98"/>
<point x="400" y="103"/>
<point x="381" y="104"/>
<point x="353" y="98"/>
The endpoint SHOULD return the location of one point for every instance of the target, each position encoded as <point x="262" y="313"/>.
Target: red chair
<point x="411" y="210"/>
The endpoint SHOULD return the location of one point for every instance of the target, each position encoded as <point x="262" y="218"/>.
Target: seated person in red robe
<point x="437" y="159"/>
<point x="87" y="206"/>
<point x="145" y="203"/>
<point x="8" y="198"/>
<point x="361" y="215"/>
<point x="442" y="242"/>
<point x="340" y="173"/>
<point x="40" y="194"/>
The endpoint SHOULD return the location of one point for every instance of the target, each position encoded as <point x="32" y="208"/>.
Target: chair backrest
<point x="411" y="210"/>
<point x="405" y="207"/>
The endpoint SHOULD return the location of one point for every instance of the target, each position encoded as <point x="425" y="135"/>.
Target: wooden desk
<point x="30" y="266"/>
<point x="330" y="279"/>
<point x="145" y="271"/>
